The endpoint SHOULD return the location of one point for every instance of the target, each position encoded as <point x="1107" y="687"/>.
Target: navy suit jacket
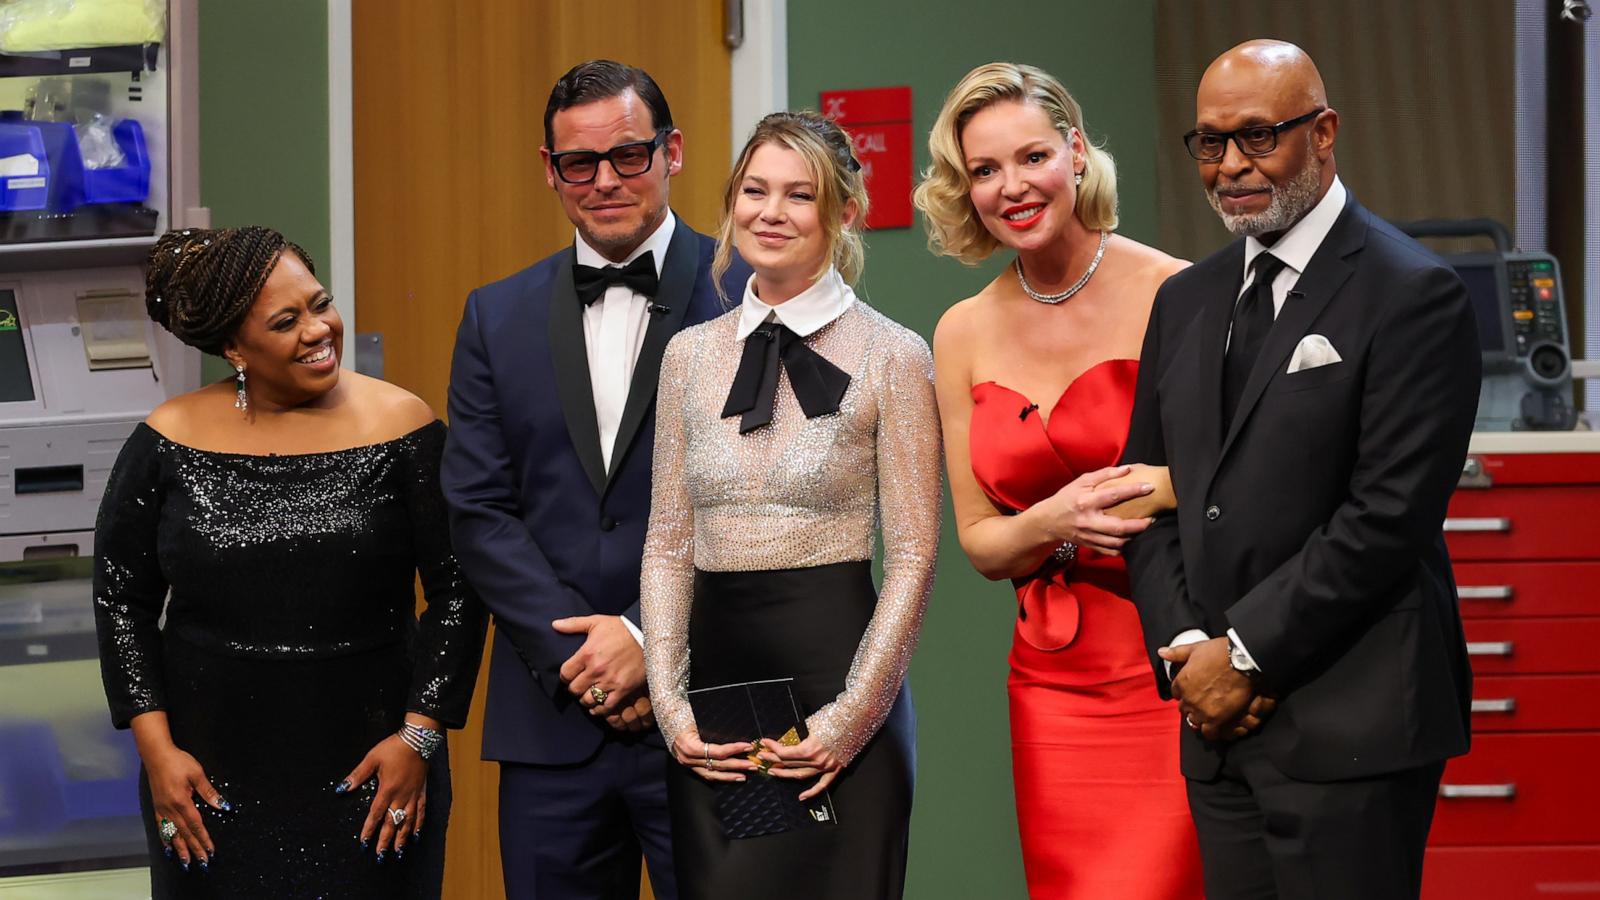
<point x="543" y="531"/>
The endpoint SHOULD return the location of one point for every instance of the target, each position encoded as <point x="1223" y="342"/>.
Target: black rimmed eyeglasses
<point x="1252" y="140"/>
<point x="627" y="160"/>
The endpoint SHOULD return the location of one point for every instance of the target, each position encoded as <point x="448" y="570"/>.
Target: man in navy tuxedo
<point x="547" y="475"/>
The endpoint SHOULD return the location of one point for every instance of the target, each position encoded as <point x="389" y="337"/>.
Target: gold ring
<point x="599" y="694"/>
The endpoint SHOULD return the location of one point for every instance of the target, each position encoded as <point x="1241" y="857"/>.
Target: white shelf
<point x="95" y="252"/>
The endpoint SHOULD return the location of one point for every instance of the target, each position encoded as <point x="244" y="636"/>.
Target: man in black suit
<point x="1312" y="388"/>
<point x="547" y="476"/>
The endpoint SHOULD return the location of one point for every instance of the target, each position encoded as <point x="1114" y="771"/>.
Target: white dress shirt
<point x="613" y="335"/>
<point x="1294" y="249"/>
<point x="805" y="313"/>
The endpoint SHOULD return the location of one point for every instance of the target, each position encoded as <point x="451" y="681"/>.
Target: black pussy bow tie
<point x="638" y="276"/>
<point x="819" y="385"/>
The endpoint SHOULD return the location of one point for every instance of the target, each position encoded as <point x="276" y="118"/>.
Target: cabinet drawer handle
<point x="1500" y="525"/>
<point x="1507" y="705"/>
<point x="1489" y="648"/>
<point x="1477" y="791"/>
<point x="1484" y="591"/>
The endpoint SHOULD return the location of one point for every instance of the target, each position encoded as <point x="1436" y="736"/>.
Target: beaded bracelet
<point x="1066" y="555"/>
<point x="423" y="740"/>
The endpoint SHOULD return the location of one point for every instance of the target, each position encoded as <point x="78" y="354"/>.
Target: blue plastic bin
<point x="127" y="183"/>
<point x="73" y="185"/>
<point x="20" y="192"/>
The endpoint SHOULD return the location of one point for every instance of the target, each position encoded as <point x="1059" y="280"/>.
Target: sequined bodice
<point x="299" y="556"/>
<point x="797" y="493"/>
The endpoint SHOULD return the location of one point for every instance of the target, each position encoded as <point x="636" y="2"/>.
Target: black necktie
<point x="1252" y="319"/>
<point x="819" y="385"/>
<point x="638" y="276"/>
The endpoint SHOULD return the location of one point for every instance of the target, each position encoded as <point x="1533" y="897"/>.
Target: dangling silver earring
<point x="241" y="400"/>
<point x="1078" y="179"/>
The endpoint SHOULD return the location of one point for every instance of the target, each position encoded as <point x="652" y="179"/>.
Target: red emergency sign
<point x="879" y="123"/>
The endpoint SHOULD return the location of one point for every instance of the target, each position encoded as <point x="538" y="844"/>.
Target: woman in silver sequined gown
<point x="265" y="704"/>
<point x="770" y="482"/>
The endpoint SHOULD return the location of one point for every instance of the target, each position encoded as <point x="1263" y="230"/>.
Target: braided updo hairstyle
<point x="200" y="282"/>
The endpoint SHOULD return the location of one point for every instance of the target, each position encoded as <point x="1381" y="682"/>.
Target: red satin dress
<point x="1100" y="802"/>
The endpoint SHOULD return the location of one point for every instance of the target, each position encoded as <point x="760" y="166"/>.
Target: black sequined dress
<point x="290" y="647"/>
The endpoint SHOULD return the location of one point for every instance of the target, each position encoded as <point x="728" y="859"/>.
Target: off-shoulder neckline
<point x="314" y="453"/>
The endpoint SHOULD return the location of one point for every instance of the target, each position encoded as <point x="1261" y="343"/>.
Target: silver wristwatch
<point x="1241" y="660"/>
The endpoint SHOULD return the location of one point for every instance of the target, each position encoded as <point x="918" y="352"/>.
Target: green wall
<point x="964" y="833"/>
<point x="264" y="121"/>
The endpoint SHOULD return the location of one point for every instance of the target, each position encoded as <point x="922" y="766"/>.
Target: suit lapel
<point x="1324" y="275"/>
<point x="1214" y="321"/>
<point x="573" y="389"/>
<point x="675" y="293"/>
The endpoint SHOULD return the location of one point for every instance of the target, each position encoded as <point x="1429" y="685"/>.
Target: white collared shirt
<point x="805" y="313"/>
<point x="613" y="333"/>
<point x="1297" y="245"/>
<point x="1294" y="249"/>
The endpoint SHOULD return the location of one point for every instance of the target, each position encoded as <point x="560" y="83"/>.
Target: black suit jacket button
<point x="1213" y="513"/>
<point x="607" y="523"/>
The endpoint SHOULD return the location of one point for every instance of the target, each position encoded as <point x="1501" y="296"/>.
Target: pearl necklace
<point x="1057" y="298"/>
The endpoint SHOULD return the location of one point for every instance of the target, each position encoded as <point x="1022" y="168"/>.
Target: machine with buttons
<point x="80" y="365"/>
<point x="1522" y="329"/>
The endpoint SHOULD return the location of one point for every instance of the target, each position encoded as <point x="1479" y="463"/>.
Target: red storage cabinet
<point x="1517" y="817"/>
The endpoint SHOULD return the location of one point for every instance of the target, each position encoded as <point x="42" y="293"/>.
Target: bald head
<point x="1275" y="71"/>
<point x="1271" y="93"/>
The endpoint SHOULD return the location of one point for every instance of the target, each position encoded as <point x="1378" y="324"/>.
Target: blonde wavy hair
<point x="826" y="148"/>
<point x="944" y="196"/>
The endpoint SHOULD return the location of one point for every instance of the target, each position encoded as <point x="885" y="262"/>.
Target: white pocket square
<point x="1312" y="352"/>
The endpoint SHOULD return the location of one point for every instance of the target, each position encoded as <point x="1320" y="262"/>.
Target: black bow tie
<point x="638" y="276"/>
<point x="819" y="385"/>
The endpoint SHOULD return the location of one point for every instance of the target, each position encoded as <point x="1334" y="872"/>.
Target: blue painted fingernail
<point x="380" y="856"/>
<point x="224" y="805"/>
<point x="205" y="867"/>
<point x="184" y="864"/>
<point x="399" y="853"/>
<point x="343" y="786"/>
<point x="364" y="843"/>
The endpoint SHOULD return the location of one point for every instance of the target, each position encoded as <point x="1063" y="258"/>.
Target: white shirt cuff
<point x="1192" y="636"/>
<point x="1249" y="660"/>
<point x="633" y="629"/>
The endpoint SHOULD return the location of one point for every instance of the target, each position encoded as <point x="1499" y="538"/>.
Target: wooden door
<point x="449" y="194"/>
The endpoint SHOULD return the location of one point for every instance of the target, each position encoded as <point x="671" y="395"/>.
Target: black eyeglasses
<point x="627" y="160"/>
<point x="1253" y="140"/>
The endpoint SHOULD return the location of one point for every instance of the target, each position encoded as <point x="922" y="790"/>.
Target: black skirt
<point x="803" y="624"/>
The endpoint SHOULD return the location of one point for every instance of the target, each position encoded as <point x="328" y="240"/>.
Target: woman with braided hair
<point x="287" y="703"/>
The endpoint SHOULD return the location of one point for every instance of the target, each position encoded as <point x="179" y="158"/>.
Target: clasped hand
<point x="1216" y="699"/>
<point x="735" y="762"/>
<point x="611" y="660"/>
<point x="1079" y="512"/>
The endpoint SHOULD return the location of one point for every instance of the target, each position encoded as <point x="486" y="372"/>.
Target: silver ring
<point x="397" y="816"/>
<point x="168" y="831"/>
<point x="1190" y="720"/>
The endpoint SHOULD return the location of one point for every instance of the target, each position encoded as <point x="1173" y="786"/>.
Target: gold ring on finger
<point x="599" y="694"/>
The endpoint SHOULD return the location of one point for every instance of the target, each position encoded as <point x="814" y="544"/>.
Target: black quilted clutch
<point x="761" y="804"/>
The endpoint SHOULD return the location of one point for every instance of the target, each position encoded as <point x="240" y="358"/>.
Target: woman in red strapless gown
<point x="1035" y="393"/>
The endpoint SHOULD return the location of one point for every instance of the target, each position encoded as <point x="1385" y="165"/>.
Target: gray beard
<point x="1290" y="200"/>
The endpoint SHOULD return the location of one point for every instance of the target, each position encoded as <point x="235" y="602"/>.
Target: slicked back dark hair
<point x="602" y="79"/>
